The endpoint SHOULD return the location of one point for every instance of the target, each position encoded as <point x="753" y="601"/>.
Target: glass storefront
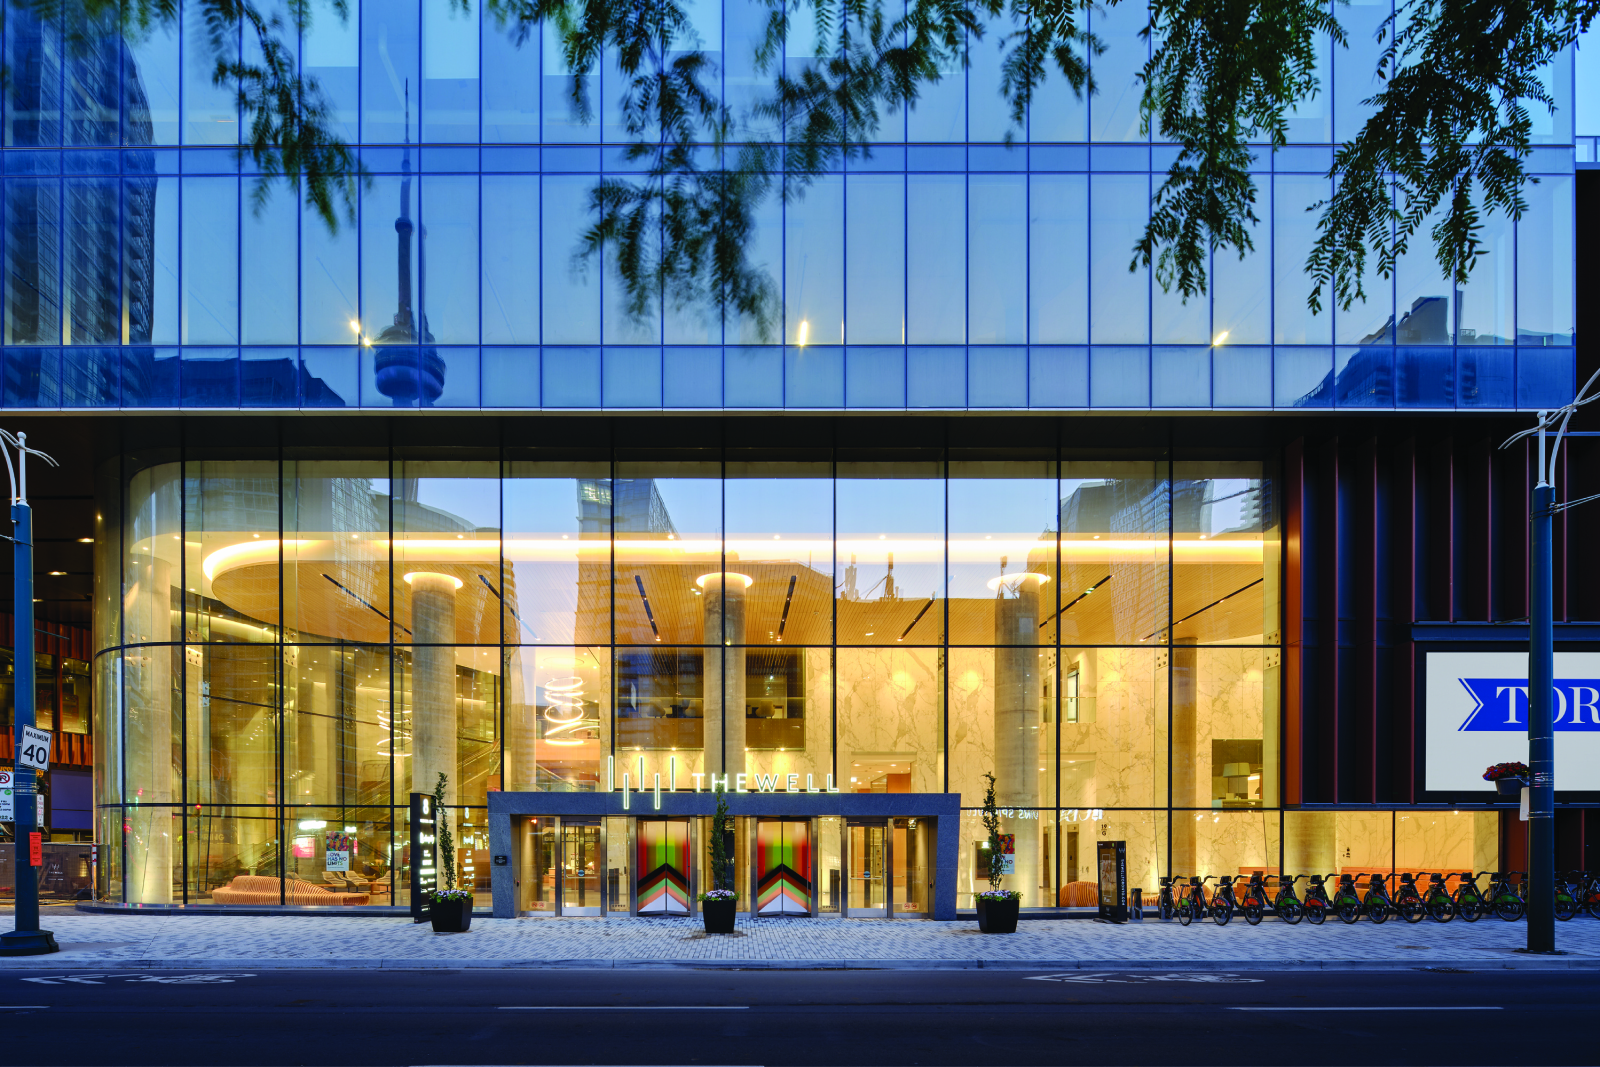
<point x="297" y="642"/>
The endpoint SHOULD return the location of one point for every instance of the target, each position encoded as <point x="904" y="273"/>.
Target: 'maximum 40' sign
<point x="1476" y="713"/>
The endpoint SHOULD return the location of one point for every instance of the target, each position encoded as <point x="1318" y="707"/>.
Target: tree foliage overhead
<point x="1447" y="140"/>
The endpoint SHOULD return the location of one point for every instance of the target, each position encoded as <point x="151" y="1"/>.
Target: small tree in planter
<point x="997" y="908"/>
<point x="451" y="908"/>
<point x="718" y="904"/>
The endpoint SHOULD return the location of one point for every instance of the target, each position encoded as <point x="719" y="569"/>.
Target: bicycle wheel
<point x="1566" y="908"/>
<point x="1378" y="911"/>
<point x="1220" y="914"/>
<point x="1509" y="908"/>
<point x="1185" y="914"/>
<point x="1349" y="912"/>
<point x="1316" y="913"/>
<point x="1441" y="909"/>
<point x="1291" y="911"/>
<point x="1411" y="910"/>
<point x="1252" y="913"/>
<point x="1469" y="908"/>
<point x="1593" y="907"/>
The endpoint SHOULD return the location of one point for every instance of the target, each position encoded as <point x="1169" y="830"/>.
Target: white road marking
<point x="625" y="1007"/>
<point x="1387" y="1007"/>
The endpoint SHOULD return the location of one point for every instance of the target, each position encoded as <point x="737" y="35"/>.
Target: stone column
<point x="1189" y="777"/>
<point x="433" y="682"/>
<point x="724" y="672"/>
<point x="1018" y="698"/>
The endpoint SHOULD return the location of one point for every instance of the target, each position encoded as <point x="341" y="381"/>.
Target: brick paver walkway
<point x="195" y="941"/>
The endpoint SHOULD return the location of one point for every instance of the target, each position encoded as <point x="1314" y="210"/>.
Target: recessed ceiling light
<point x="85" y="540"/>
<point x="58" y="574"/>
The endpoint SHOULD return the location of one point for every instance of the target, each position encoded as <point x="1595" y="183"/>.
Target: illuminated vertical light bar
<point x="672" y="771"/>
<point x="624" y="791"/>
<point x="658" y="790"/>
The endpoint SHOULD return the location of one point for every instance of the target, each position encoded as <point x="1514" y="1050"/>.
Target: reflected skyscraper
<point x="407" y="376"/>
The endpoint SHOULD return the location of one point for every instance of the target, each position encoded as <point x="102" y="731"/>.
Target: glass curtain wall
<point x="289" y="644"/>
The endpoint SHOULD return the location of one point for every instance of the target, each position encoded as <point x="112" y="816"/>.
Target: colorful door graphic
<point x="783" y="867"/>
<point x="663" y="865"/>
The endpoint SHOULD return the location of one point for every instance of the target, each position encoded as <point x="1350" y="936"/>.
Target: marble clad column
<point x="433" y="682"/>
<point x="1190" y="777"/>
<point x="1310" y="843"/>
<point x="1018" y="696"/>
<point x="724" y="672"/>
<point x="148" y="696"/>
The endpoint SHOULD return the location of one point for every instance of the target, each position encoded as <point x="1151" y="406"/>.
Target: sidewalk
<point x="201" y="942"/>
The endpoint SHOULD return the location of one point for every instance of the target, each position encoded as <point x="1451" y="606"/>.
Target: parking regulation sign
<point x="35" y="751"/>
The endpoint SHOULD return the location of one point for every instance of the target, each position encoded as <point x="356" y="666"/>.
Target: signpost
<point x="25" y="939"/>
<point x="424" y="855"/>
<point x="1112" y="867"/>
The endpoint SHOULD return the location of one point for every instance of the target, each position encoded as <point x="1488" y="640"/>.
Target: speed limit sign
<point x="35" y="750"/>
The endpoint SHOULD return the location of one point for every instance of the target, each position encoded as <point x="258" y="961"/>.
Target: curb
<point x="1513" y="963"/>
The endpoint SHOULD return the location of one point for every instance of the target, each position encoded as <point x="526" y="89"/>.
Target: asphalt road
<point x="837" y="1018"/>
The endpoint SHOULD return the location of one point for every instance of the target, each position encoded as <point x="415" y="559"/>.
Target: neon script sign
<point x="1501" y="704"/>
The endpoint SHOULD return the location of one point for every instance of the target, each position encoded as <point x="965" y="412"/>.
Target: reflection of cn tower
<point x="407" y="374"/>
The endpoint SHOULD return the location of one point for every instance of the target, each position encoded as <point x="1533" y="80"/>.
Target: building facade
<point x="420" y="496"/>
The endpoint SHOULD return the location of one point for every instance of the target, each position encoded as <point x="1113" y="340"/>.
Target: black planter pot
<point x="718" y="915"/>
<point x="451" y="916"/>
<point x="998" y="916"/>
<point x="1510" y="787"/>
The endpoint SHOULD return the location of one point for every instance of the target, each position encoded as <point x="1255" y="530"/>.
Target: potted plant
<point x="997" y="908"/>
<point x="1509" y="778"/>
<point x="719" y="903"/>
<point x="449" y="908"/>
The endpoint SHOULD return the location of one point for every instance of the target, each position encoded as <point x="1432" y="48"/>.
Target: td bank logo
<point x="1501" y="704"/>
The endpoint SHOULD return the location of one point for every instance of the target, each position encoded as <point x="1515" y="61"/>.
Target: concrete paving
<point x="167" y="941"/>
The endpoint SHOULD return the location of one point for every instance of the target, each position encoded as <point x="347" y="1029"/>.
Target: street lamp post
<point x="1541" y="675"/>
<point x="25" y="939"/>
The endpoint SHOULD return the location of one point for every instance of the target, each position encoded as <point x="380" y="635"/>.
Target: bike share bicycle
<point x="1286" y="903"/>
<point x="1318" y="905"/>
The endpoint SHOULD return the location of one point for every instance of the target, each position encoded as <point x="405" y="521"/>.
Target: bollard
<point x="1136" y="906"/>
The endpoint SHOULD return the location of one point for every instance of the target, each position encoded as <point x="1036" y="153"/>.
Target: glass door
<point x="866" y="849"/>
<point x="581" y="863"/>
<point x="783" y="867"/>
<point x="663" y="866"/>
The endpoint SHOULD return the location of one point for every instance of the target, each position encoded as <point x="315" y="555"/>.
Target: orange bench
<point x="261" y="889"/>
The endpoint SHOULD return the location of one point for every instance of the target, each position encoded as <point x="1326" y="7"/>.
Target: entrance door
<point x="663" y="865"/>
<point x="783" y="867"/>
<point x="867" y="869"/>
<point x="581" y="864"/>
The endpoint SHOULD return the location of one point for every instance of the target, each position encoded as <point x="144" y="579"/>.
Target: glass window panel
<point x="1446" y="841"/>
<point x="875" y="266"/>
<point x="336" y="551"/>
<point x="936" y="256"/>
<point x="1057" y="113"/>
<point x="668" y="522"/>
<point x="1175" y="320"/>
<point x="1225" y="550"/>
<point x="1546" y="313"/>
<point x="449" y="72"/>
<point x="890" y="550"/>
<point x="563" y="123"/>
<point x="1120" y="307"/>
<point x="1302" y="377"/>
<point x="449" y="245"/>
<point x="91" y="270"/>
<point x="388" y="244"/>
<point x="1002" y="520"/>
<point x="149" y="260"/>
<point x="232" y="692"/>
<point x="1114" y="542"/>
<point x="91" y="81"/>
<point x="623" y="324"/>
<point x="389" y="81"/>
<point x="330" y="288"/>
<point x="1238" y="843"/>
<point x="510" y="84"/>
<point x="1345" y="842"/>
<point x="558" y="718"/>
<point x="571" y="292"/>
<point x="150" y="88"/>
<point x="1113" y="715"/>
<point x="1370" y="321"/>
<point x="33" y="281"/>
<point x="1355" y="65"/>
<point x="780" y="533"/>
<point x="511" y="259"/>
<point x="1311" y="120"/>
<point x="210" y="261"/>
<point x="151" y="562"/>
<point x="446" y="550"/>
<point x="1114" y="109"/>
<point x="1424" y="308"/>
<point x="1058" y="273"/>
<point x="663" y="698"/>
<point x="814" y="264"/>
<point x="448" y="707"/>
<point x="889" y="720"/>
<point x="988" y="110"/>
<point x="33" y="93"/>
<point x="210" y="111"/>
<point x="1180" y="378"/>
<point x="1487" y="302"/>
<point x="997" y="284"/>
<point x="939" y="113"/>
<point x="764" y="250"/>
<point x="1119" y="377"/>
<point x="1241" y="308"/>
<point x="557" y="553"/>
<point x="331" y="53"/>
<point x="364" y="840"/>
<point x="1294" y="232"/>
<point x="270" y="300"/>
<point x="231" y="550"/>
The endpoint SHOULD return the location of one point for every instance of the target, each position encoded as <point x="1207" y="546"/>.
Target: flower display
<point x="1000" y="894"/>
<point x="1506" y="770"/>
<point x="719" y="894"/>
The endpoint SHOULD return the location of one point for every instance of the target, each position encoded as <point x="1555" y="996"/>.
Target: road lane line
<point x="1387" y="1007"/>
<point x="625" y="1007"/>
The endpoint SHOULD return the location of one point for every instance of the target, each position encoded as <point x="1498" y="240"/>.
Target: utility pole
<point x="1541" y="675"/>
<point x="25" y="939"/>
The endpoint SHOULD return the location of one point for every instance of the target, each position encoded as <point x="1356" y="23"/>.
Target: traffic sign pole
<point x="26" y="939"/>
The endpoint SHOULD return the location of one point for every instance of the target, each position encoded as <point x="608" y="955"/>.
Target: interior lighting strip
<point x="788" y="598"/>
<point x="639" y="582"/>
<point x="1075" y="600"/>
<point x="1208" y="607"/>
<point x="360" y="599"/>
<point x="916" y="620"/>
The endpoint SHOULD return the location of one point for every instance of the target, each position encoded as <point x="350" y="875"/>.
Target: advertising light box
<point x="1476" y="714"/>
